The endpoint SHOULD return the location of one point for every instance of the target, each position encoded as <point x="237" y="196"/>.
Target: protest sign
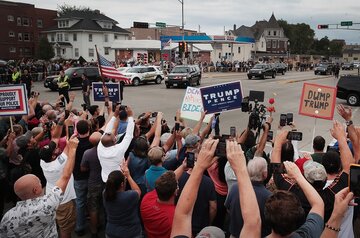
<point x="113" y="88"/>
<point x="191" y="106"/>
<point x="13" y="100"/>
<point x="222" y="97"/>
<point x="318" y="101"/>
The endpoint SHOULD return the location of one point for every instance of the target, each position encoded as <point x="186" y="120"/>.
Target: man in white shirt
<point x="34" y="216"/>
<point x="111" y="155"/>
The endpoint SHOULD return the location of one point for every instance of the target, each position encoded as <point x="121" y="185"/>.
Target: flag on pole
<point x="108" y="70"/>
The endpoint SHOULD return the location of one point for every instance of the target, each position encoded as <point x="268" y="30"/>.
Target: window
<point x="90" y="37"/>
<point x="273" y="44"/>
<point x="66" y="36"/>
<point x="115" y="37"/>
<point x="76" y="52"/>
<point x="11" y="34"/>
<point x="106" y="50"/>
<point x="52" y="37"/>
<point x="239" y="49"/>
<point x="12" y="50"/>
<point x="18" y="21"/>
<point x="27" y="50"/>
<point x="219" y="55"/>
<point x="39" y="23"/>
<point x="106" y="38"/>
<point x="63" y="51"/>
<point x="91" y="52"/>
<point x="274" y="33"/>
<point x="26" y="37"/>
<point x="262" y="44"/>
<point x="59" y="37"/>
<point x="20" y="37"/>
<point x="269" y="33"/>
<point x="350" y="55"/>
<point x="74" y="37"/>
<point x="67" y="23"/>
<point x="10" y="18"/>
<point x="25" y="21"/>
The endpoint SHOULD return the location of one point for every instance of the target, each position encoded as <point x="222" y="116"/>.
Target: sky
<point x="212" y="16"/>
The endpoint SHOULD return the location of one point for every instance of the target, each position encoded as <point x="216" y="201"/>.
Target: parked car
<point x="356" y="65"/>
<point x="184" y="75"/>
<point x="280" y="68"/>
<point x="74" y="75"/>
<point x="144" y="74"/>
<point x="347" y="66"/>
<point x="261" y="71"/>
<point x="348" y="88"/>
<point x="323" y="69"/>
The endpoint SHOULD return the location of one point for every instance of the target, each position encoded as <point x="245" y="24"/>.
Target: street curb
<point x="302" y="80"/>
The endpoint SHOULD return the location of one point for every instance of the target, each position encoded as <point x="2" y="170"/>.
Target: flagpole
<point x="99" y="67"/>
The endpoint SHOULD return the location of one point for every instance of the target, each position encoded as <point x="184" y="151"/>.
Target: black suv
<point x="184" y="75"/>
<point x="74" y="75"/>
<point x="348" y="88"/>
<point x="261" y="71"/>
<point x="280" y="68"/>
<point x="323" y="69"/>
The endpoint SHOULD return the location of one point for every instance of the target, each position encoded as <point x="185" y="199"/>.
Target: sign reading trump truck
<point x="318" y="101"/>
<point x="13" y="100"/>
<point x="222" y="97"/>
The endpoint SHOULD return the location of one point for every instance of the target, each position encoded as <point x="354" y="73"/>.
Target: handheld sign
<point x="318" y="101"/>
<point x="13" y="100"/>
<point x="222" y="97"/>
<point x="192" y="107"/>
<point x="113" y="88"/>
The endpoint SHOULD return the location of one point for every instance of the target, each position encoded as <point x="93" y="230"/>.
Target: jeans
<point x="81" y="187"/>
<point x="86" y="99"/>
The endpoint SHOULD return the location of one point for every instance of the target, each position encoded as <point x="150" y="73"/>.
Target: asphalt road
<point x="287" y="88"/>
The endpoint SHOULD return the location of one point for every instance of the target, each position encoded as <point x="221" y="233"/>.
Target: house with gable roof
<point x="270" y="40"/>
<point x="77" y="33"/>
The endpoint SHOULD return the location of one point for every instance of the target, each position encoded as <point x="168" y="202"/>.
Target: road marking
<point x="301" y="80"/>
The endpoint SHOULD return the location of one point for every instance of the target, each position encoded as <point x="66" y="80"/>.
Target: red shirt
<point x="157" y="217"/>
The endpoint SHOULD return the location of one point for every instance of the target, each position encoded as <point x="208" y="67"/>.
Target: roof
<point x="136" y="44"/>
<point x="87" y="21"/>
<point x="244" y="31"/>
<point x="352" y="51"/>
<point x="273" y="22"/>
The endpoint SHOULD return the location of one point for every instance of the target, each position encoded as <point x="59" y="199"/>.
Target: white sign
<point x="13" y="100"/>
<point x="192" y="105"/>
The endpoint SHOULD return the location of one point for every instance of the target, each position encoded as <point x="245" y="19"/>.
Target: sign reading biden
<point x="113" y="88"/>
<point x="192" y="107"/>
<point x="222" y="97"/>
<point x="13" y="100"/>
<point x="318" y="101"/>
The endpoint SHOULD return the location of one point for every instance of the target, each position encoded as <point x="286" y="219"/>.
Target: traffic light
<point x="181" y="47"/>
<point x="323" y="26"/>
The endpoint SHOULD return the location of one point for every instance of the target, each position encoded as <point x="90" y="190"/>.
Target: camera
<point x="294" y="135"/>
<point x="190" y="159"/>
<point x="48" y="124"/>
<point x="154" y="114"/>
<point x="286" y="119"/>
<point x="256" y="110"/>
<point x="220" y="150"/>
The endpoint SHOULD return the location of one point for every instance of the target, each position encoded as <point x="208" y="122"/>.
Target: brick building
<point x="21" y="25"/>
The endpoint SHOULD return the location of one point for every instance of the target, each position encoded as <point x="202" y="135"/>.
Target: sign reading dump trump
<point x="13" y="100"/>
<point x="222" y="97"/>
<point x="113" y="88"/>
<point x="318" y="101"/>
<point x="192" y="107"/>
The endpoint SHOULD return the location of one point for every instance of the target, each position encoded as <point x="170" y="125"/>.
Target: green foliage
<point x="45" y="50"/>
<point x="65" y="8"/>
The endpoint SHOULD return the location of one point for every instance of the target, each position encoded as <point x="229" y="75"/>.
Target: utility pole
<point x="182" y="25"/>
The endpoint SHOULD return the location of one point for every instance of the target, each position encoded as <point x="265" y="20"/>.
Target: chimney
<point x="234" y="27"/>
<point x="97" y="11"/>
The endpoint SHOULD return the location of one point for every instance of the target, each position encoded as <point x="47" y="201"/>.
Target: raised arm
<point x="313" y="197"/>
<point x="156" y="140"/>
<point x="183" y="212"/>
<point x="280" y="139"/>
<point x="197" y="127"/>
<point x="132" y="183"/>
<point x="69" y="166"/>
<point x="346" y="157"/>
<point x="207" y="129"/>
<point x="248" y="202"/>
<point x="261" y="146"/>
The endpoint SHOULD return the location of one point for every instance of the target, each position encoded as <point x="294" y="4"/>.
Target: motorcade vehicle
<point x="323" y="69"/>
<point x="348" y="88"/>
<point x="280" y="67"/>
<point x="261" y="71"/>
<point x="144" y="74"/>
<point x="184" y="75"/>
<point x="74" y="75"/>
<point x="347" y="66"/>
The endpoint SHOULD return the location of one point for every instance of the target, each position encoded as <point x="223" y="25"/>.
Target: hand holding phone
<point x="354" y="179"/>
<point x="289" y="118"/>
<point x="282" y="119"/>
<point x="294" y="135"/>
<point x="190" y="160"/>
<point x="70" y="131"/>
<point x="177" y="126"/>
<point x="233" y="131"/>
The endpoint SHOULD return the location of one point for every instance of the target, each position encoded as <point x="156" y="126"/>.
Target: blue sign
<point x="113" y="88"/>
<point x="222" y="97"/>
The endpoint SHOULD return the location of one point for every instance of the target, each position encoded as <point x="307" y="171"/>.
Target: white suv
<point x="144" y="74"/>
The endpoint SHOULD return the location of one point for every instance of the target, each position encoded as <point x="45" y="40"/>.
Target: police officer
<point x="28" y="81"/>
<point x="63" y="86"/>
<point x="15" y="76"/>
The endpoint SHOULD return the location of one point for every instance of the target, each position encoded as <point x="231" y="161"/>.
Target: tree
<point x="65" y="8"/>
<point x="45" y="50"/>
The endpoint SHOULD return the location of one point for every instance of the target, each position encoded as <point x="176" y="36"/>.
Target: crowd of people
<point x="139" y="177"/>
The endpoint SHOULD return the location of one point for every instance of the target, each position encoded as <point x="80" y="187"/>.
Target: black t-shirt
<point x="84" y="144"/>
<point x="85" y="84"/>
<point x="206" y="193"/>
<point x="26" y="79"/>
<point x="327" y="194"/>
<point x="33" y="159"/>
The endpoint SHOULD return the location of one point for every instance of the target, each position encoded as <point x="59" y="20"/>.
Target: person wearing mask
<point x="63" y="86"/>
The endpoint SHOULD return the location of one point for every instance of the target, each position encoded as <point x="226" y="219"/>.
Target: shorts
<point x="94" y="197"/>
<point x="66" y="216"/>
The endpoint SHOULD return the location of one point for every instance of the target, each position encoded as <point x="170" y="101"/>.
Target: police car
<point x="144" y="74"/>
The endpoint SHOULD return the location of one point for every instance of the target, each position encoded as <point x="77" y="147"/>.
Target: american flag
<point x="108" y="70"/>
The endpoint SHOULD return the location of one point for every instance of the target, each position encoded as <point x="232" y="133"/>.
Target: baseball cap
<point x="46" y="152"/>
<point x="191" y="140"/>
<point x="313" y="171"/>
<point x="24" y="139"/>
<point x="300" y="163"/>
<point x="211" y="232"/>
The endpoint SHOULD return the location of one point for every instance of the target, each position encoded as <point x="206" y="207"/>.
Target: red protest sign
<point x="318" y="101"/>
